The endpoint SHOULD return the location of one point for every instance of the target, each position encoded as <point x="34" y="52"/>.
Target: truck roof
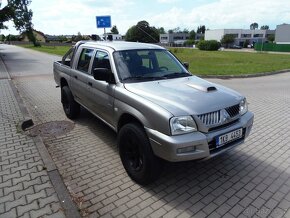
<point x="119" y="45"/>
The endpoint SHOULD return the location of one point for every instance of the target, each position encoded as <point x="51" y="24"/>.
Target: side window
<point x="101" y="60"/>
<point x="85" y="58"/>
<point x="67" y="57"/>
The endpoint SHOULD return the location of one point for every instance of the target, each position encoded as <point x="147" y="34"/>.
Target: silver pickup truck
<point x="159" y="110"/>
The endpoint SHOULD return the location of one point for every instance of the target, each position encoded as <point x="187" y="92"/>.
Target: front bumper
<point x="169" y="147"/>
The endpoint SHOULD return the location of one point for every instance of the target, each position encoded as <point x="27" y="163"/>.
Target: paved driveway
<point x="250" y="180"/>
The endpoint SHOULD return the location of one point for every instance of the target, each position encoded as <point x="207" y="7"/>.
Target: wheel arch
<point x="128" y="118"/>
<point x="63" y="82"/>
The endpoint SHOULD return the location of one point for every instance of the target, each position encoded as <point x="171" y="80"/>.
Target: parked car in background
<point x="236" y="47"/>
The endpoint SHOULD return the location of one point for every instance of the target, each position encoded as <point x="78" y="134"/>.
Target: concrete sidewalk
<point x="26" y="189"/>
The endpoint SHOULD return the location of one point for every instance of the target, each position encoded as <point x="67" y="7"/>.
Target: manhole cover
<point x="53" y="128"/>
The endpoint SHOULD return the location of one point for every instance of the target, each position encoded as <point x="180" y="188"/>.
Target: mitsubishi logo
<point x="225" y="116"/>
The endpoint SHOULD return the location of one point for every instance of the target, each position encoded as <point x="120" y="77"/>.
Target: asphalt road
<point x="26" y="62"/>
<point x="251" y="180"/>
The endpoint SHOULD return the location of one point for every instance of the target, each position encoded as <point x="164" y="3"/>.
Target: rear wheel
<point x="70" y="106"/>
<point x="136" y="154"/>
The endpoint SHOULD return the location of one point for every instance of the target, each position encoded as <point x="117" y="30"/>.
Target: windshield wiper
<point x="133" y="78"/>
<point x="176" y="75"/>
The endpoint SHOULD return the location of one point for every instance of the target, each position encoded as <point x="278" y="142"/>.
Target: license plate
<point x="228" y="137"/>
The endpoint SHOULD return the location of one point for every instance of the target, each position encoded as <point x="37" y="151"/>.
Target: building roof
<point x="40" y="33"/>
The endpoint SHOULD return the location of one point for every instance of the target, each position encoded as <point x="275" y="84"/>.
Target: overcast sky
<point x="56" y="17"/>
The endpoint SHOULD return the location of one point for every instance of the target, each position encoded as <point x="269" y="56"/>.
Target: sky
<point x="68" y="17"/>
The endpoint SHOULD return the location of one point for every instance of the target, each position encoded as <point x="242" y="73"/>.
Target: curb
<point x="70" y="209"/>
<point x="2" y="64"/>
<point x="244" y="75"/>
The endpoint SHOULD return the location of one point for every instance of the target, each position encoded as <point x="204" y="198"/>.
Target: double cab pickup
<point x="159" y="110"/>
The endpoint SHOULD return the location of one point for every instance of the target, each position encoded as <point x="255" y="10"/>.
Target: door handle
<point x="90" y="84"/>
<point x="76" y="77"/>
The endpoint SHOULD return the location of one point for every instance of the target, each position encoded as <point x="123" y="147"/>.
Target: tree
<point x="208" y="45"/>
<point x="185" y="30"/>
<point x="2" y="37"/>
<point x="264" y="27"/>
<point x="271" y="37"/>
<point x="177" y="30"/>
<point x="62" y="38"/>
<point x="161" y="30"/>
<point x="228" y="39"/>
<point x="254" y="26"/>
<point x="142" y="32"/>
<point x="6" y="14"/>
<point x="114" y="30"/>
<point x="17" y="10"/>
<point x="201" y="29"/>
<point x="77" y="38"/>
<point x="192" y="35"/>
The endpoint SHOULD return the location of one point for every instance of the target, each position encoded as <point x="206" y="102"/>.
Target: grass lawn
<point x="57" y="50"/>
<point x="212" y="62"/>
<point x="231" y="62"/>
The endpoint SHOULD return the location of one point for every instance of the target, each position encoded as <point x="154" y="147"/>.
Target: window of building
<point x="246" y="35"/>
<point x="178" y="37"/>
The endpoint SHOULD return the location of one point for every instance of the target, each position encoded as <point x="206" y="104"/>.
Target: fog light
<point x="186" y="149"/>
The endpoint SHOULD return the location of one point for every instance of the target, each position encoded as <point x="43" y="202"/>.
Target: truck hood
<point x="186" y="96"/>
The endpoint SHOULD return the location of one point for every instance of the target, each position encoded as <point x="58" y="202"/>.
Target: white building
<point x="241" y="35"/>
<point x="115" y="37"/>
<point x="174" y="38"/>
<point x="282" y="35"/>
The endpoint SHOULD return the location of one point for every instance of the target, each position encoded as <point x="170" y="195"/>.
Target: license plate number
<point x="228" y="137"/>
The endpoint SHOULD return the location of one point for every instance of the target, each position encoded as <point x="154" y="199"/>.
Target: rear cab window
<point x="85" y="59"/>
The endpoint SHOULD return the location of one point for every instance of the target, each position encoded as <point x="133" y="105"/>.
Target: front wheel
<point x="136" y="154"/>
<point x="70" y="106"/>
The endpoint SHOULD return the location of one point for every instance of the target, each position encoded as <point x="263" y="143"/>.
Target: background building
<point x="241" y="35"/>
<point x="282" y="35"/>
<point x="174" y="38"/>
<point x="115" y="37"/>
<point x="40" y="37"/>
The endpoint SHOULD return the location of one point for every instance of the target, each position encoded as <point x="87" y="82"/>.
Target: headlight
<point x="243" y="106"/>
<point x="182" y="125"/>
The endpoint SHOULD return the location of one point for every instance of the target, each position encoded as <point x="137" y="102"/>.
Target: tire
<point x="136" y="154"/>
<point x="70" y="106"/>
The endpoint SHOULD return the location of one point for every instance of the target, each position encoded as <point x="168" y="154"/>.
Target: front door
<point x="101" y="93"/>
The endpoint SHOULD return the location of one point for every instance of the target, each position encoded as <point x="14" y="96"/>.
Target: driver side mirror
<point x="103" y="74"/>
<point x="186" y="65"/>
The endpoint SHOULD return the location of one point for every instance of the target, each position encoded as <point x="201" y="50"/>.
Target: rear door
<point x="81" y="76"/>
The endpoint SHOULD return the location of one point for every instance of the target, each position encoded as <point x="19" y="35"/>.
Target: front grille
<point x="218" y="117"/>
<point x="233" y="110"/>
<point x="223" y="125"/>
<point x="210" y="118"/>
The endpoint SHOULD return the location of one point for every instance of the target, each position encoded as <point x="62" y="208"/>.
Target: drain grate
<point x="53" y="128"/>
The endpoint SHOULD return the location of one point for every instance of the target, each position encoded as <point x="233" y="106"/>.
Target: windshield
<point x="146" y="65"/>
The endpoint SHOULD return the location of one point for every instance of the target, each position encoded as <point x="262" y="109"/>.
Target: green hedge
<point x="209" y="45"/>
<point x="272" y="47"/>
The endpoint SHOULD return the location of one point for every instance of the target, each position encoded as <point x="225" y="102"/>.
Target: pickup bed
<point x="159" y="110"/>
